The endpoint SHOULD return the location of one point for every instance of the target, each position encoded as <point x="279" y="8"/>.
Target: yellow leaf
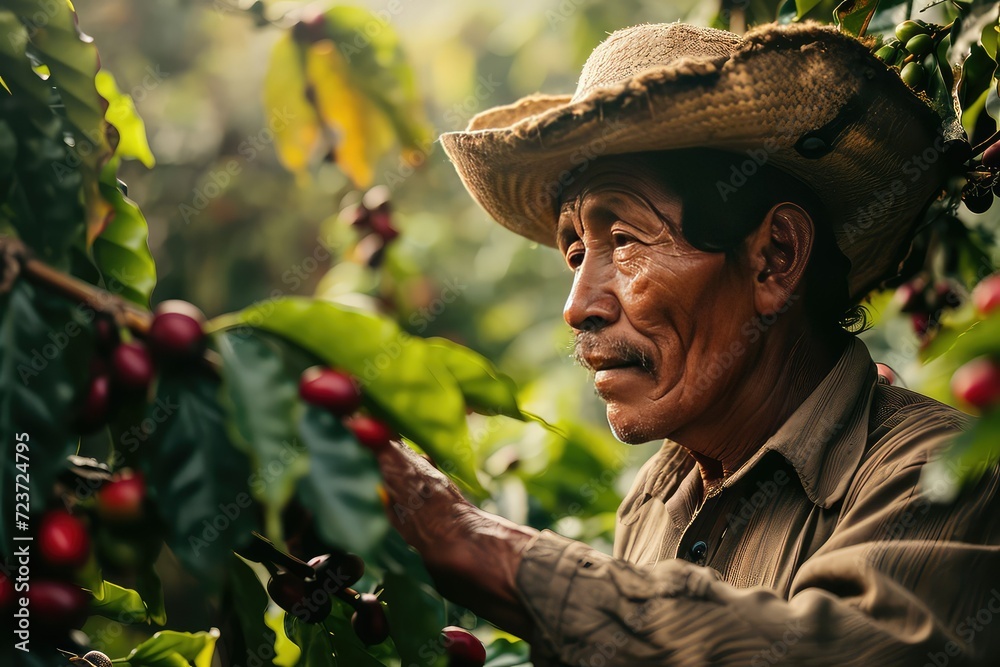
<point x="121" y="113"/>
<point x="292" y="117"/>
<point x="361" y="131"/>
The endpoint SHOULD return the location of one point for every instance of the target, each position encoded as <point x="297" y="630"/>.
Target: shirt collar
<point x="824" y="439"/>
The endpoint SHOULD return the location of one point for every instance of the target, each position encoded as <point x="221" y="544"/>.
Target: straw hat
<point x="803" y="97"/>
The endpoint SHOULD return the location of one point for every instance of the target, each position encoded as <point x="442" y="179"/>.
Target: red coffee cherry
<point x="886" y="372"/>
<point x="63" y="541"/>
<point x="96" y="405"/>
<point x="464" y="648"/>
<point x="56" y="607"/>
<point x="370" y="432"/>
<point x="986" y="295"/>
<point x="369" y="621"/>
<point x="132" y="366"/>
<point x="332" y="390"/>
<point x="991" y="157"/>
<point x="978" y="383"/>
<point x="294" y="595"/>
<point x="122" y="499"/>
<point x="177" y="332"/>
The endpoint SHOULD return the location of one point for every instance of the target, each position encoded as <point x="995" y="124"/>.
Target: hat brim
<point x="783" y="85"/>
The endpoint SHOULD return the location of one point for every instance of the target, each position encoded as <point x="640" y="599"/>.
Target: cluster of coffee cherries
<point x="124" y="368"/>
<point x="371" y="218"/>
<point x="926" y="302"/>
<point x="340" y="394"/>
<point x="914" y="41"/>
<point x="983" y="182"/>
<point x="306" y="589"/>
<point x="58" y="605"/>
<point x="977" y="383"/>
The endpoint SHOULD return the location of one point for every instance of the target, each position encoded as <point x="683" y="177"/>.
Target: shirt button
<point x="698" y="550"/>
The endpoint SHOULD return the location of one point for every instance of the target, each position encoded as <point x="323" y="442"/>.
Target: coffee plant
<point x="240" y="448"/>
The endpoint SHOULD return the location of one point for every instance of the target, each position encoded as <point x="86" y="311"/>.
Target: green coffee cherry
<point x="886" y="54"/>
<point x="920" y="45"/>
<point x="907" y="30"/>
<point x="914" y="75"/>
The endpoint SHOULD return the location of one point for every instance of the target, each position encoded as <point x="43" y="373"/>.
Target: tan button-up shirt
<point x="822" y="549"/>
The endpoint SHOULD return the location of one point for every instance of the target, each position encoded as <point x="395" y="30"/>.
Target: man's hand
<point x="472" y="555"/>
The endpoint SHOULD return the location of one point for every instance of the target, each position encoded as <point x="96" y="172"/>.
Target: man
<point x="783" y="518"/>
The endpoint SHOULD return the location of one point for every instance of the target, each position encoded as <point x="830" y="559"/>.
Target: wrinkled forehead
<point x="643" y="177"/>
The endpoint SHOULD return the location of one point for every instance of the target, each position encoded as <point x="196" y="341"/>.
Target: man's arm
<point x="870" y="596"/>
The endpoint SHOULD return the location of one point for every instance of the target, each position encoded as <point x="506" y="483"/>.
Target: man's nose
<point x="592" y="304"/>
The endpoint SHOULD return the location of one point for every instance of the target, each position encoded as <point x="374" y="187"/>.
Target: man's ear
<point x="779" y="251"/>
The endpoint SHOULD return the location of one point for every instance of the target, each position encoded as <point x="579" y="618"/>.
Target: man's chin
<point x="629" y="430"/>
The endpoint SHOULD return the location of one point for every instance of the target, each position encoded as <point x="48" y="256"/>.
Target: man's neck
<point x="780" y="378"/>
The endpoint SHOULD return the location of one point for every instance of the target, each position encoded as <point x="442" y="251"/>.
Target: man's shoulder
<point x="909" y="428"/>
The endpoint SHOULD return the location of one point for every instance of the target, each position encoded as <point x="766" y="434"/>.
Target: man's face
<point x="658" y="321"/>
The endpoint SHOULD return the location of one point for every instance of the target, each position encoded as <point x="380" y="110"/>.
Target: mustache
<point x="589" y="344"/>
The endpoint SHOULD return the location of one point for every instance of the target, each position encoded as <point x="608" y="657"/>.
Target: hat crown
<point x="626" y="53"/>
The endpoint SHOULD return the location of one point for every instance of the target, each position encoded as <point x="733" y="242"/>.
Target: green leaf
<point x="504" y="653"/>
<point x="44" y="351"/>
<point x="969" y="457"/>
<point x="148" y="585"/>
<point x="121" y="604"/>
<point x="853" y="16"/>
<point x="342" y="485"/>
<point x="171" y="649"/>
<point x="485" y="389"/>
<point x="249" y="601"/>
<point x="346" y="645"/>
<point x="403" y="380"/>
<point x="121" y="252"/>
<point x="72" y="62"/>
<point x="121" y="113"/>
<point x="199" y="479"/>
<point x="416" y="616"/>
<point x="314" y="642"/>
<point x="261" y="397"/>
<point x="803" y="7"/>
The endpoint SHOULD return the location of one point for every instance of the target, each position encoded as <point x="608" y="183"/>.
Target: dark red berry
<point x="310" y="29"/>
<point x="370" y="432"/>
<point x="295" y="596"/>
<point x="986" y="295"/>
<point x="121" y="500"/>
<point x="177" y="332"/>
<point x="132" y="366"/>
<point x="921" y="323"/>
<point x="381" y="222"/>
<point x="62" y="540"/>
<point x="978" y="201"/>
<point x="464" y="648"/>
<point x="991" y="158"/>
<point x="369" y="620"/>
<point x="978" y="383"/>
<point x="6" y="594"/>
<point x="56" y="607"/>
<point x="342" y="569"/>
<point x="910" y="296"/>
<point x="329" y="389"/>
<point x="105" y="334"/>
<point x="886" y="372"/>
<point x="96" y="405"/>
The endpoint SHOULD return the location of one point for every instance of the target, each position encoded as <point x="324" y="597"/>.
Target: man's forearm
<point x="482" y="574"/>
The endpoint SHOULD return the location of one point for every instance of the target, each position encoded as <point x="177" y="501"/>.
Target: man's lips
<point x="598" y="364"/>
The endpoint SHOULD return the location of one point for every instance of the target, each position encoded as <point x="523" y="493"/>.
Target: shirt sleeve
<point x="902" y="581"/>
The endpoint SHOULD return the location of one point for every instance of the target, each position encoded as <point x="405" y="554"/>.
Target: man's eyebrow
<point x="565" y="234"/>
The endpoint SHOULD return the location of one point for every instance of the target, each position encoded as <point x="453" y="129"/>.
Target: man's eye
<point x="574" y="259"/>
<point x="622" y="239"/>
